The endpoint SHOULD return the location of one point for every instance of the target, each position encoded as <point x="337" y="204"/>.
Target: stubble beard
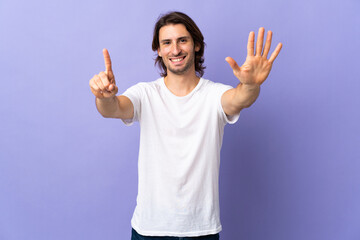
<point x="183" y="70"/>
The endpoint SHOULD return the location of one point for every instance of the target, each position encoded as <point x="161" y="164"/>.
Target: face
<point x="177" y="49"/>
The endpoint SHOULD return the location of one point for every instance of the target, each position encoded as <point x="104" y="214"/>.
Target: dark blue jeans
<point x="136" y="236"/>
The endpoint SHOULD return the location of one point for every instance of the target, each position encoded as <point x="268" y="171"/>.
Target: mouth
<point x="177" y="59"/>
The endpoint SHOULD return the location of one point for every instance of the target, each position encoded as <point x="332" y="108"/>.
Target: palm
<point x="254" y="71"/>
<point x="256" y="67"/>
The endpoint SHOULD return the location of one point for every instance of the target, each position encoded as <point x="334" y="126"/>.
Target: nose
<point x="175" y="49"/>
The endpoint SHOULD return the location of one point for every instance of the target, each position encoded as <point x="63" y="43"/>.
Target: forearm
<point x="245" y="95"/>
<point x="108" y="107"/>
<point x="235" y="99"/>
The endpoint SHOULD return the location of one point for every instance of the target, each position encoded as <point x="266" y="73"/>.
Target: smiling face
<point x="177" y="49"/>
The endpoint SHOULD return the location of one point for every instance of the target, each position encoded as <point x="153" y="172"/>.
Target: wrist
<point x="105" y="99"/>
<point x="246" y="94"/>
<point x="250" y="85"/>
<point x="242" y="87"/>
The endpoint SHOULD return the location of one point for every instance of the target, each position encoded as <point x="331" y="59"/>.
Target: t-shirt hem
<point x="177" y="234"/>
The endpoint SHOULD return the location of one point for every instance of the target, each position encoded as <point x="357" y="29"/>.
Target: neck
<point x="181" y="85"/>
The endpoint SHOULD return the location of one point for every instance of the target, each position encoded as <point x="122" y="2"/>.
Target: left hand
<point x="257" y="67"/>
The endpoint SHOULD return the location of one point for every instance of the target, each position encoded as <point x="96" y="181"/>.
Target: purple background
<point x="289" y="168"/>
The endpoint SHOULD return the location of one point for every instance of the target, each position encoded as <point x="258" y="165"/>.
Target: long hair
<point x="191" y="27"/>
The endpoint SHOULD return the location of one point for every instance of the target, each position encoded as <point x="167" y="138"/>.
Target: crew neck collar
<point x="162" y="80"/>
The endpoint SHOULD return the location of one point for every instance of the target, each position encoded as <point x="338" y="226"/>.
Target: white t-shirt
<point x="179" y="158"/>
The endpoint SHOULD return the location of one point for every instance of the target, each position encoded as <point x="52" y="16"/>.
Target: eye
<point x="183" y="40"/>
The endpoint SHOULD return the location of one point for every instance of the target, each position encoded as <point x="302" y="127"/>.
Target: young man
<point x="182" y="118"/>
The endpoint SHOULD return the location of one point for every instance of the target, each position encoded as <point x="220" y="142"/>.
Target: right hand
<point x="103" y="85"/>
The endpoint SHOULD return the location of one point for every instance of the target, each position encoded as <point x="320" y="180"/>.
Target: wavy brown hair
<point x="191" y="27"/>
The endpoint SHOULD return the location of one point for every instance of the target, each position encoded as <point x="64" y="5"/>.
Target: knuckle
<point x="92" y="82"/>
<point x="99" y="84"/>
<point x="102" y="74"/>
<point x="95" y="86"/>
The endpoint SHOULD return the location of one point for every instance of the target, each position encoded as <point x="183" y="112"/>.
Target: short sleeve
<point x="220" y="89"/>
<point x="134" y="94"/>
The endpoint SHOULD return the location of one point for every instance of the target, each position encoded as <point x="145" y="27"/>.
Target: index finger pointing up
<point x="107" y="60"/>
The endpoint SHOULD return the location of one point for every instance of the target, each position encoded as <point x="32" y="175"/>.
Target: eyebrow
<point x="167" y="40"/>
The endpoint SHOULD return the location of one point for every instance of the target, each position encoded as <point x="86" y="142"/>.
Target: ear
<point x="197" y="47"/>
<point x="158" y="51"/>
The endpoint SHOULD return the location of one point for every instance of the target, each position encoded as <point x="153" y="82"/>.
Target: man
<point x="182" y="118"/>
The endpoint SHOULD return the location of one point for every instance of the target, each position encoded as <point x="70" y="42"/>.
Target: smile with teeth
<point x="177" y="59"/>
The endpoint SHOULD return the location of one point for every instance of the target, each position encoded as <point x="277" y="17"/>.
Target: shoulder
<point x="150" y="87"/>
<point x="215" y="87"/>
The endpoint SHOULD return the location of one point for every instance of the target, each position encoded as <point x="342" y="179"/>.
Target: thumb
<point x="112" y="88"/>
<point x="232" y="63"/>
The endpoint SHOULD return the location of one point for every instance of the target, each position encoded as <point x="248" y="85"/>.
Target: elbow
<point x="237" y="108"/>
<point x="116" y="115"/>
<point x="106" y="115"/>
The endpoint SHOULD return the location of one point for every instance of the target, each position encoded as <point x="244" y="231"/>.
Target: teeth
<point x="176" y="59"/>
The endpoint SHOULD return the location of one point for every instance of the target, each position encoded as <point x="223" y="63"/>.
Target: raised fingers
<point x="107" y="60"/>
<point x="250" y="45"/>
<point x="259" y="41"/>
<point x="259" y="45"/>
<point x="275" y="53"/>
<point x="267" y="44"/>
